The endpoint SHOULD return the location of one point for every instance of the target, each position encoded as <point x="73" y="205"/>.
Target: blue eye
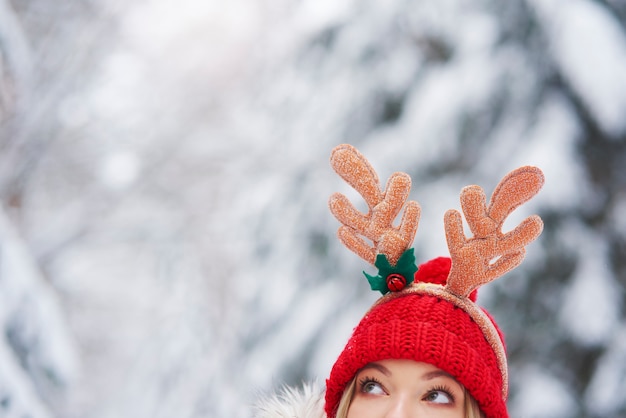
<point x="371" y="386"/>
<point x="439" y="396"/>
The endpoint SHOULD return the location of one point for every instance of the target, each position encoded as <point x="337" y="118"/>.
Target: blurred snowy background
<point x="165" y="245"/>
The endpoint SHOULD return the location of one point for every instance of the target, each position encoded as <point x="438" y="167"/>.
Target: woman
<point x="406" y="388"/>
<point x="425" y="349"/>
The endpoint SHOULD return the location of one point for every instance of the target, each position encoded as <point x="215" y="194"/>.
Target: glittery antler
<point x="491" y="253"/>
<point x="384" y="206"/>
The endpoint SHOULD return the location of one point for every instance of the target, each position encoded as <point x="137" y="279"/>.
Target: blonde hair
<point x="470" y="406"/>
<point x="346" y="399"/>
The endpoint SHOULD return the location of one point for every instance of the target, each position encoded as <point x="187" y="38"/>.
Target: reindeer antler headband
<point x="478" y="260"/>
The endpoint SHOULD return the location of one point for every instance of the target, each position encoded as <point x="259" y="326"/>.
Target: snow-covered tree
<point x="164" y="166"/>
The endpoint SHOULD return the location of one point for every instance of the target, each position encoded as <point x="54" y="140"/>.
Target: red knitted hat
<point x="428" y="314"/>
<point x="426" y="328"/>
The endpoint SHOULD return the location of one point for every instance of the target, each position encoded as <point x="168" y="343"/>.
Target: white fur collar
<point x="307" y="402"/>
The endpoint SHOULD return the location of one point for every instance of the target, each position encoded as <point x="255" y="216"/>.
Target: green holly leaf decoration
<point x="405" y="267"/>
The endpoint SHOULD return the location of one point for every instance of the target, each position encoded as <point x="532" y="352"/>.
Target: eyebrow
<point x="437" y="373"/>
<point x="427" y="376"/>
<point x="378" y="367"/>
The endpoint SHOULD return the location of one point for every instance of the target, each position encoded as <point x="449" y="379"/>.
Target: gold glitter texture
<point x="478" y="260"/>
<point x="384" y="207"/>
<point x="490" y="253"/>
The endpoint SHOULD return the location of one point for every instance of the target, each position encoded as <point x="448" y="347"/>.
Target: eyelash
<point x="365" y="380"/>
<point x="442" y="388"/>
<point x="438" y="388"/>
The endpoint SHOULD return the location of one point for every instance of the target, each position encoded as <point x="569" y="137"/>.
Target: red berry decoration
<point x="396" y="282"/>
